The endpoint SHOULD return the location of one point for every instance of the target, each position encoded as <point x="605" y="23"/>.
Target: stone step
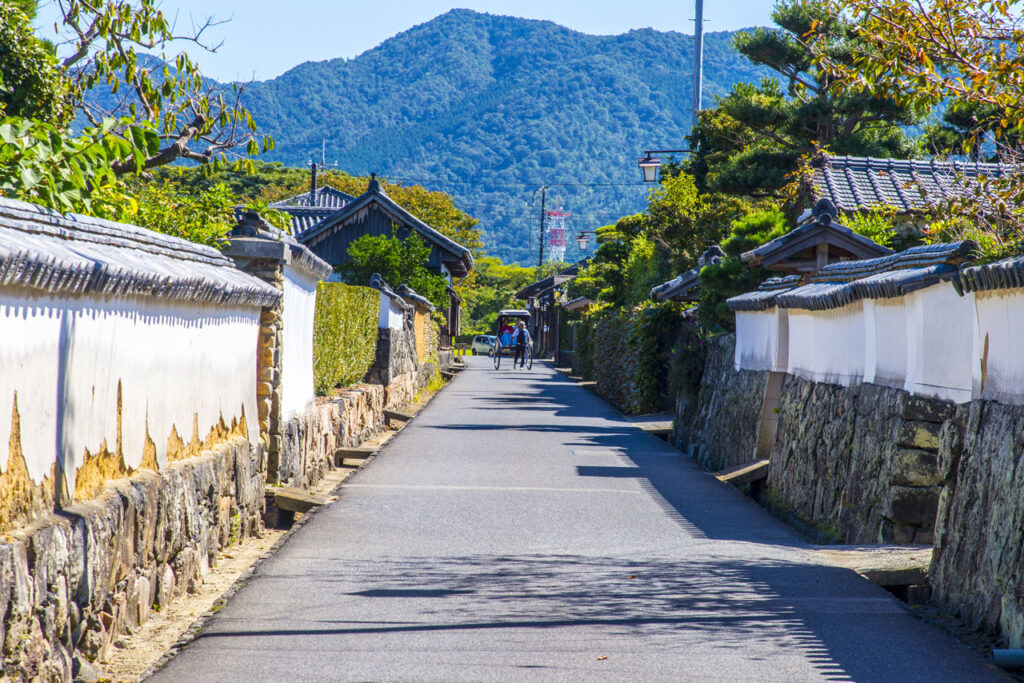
<point x="659" y="429"/>
<point x="395" y="415"/>
<point x="295" y="500"/>
<point x="745" y="473"/>
<point x="347" y="456"/>
<point x="448" y="375"/>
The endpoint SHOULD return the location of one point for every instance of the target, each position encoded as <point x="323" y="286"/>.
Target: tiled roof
<point x="460" y="265"/>
<point x="684" y="287"/>
<point x="1005" y="274"/>
<point x="764" y="297"/>
<point x="325" y="197"/>
<point x="306" y="214"/>
<point x="882" y="278"/>
<point x="820" y="227"/>
<point x="856" y="183"/>
<point x="71" y="254"/>
<point x="544" y="285"/>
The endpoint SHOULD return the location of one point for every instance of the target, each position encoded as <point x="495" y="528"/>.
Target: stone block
<point x="164" y="586"/>
<point x="914" y="506"/>
<point x="922" y="409"/>
<point x="917" y="434"/>
<point x="915" y="467"/>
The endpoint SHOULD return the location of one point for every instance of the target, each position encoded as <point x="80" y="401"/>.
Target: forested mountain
<point x="490" y="107"/>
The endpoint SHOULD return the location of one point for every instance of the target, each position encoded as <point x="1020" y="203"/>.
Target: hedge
<point x="344" y="334"/>
<point x="629" y="354"/>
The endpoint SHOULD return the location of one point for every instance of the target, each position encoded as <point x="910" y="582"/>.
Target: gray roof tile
<point x="72" y="254"/>
<point x="856" y="183"/>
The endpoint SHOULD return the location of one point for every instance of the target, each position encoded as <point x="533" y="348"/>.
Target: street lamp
<point x="583" y="239"/>
<point x="649" y="165"/>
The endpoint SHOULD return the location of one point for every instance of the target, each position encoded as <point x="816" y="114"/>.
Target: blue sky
<point x="264" y="38"/>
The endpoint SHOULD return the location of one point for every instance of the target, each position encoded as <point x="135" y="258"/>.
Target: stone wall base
<point x="860" y="462"/>
<point x="978" y="564"/>
<point x="719" y="427"/>
<point x="310" y="439"/>
<point x="71" y="582"/>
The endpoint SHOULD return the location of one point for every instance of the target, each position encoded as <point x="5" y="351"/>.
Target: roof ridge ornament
<point x="824" y="212"/>
<point x="374" y="186"/>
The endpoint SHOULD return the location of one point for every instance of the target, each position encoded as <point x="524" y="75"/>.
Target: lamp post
<point x="583" y="238"/>
<point x="649" y="165"/>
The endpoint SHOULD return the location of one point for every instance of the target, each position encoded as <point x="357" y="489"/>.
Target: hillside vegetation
<point x="488" y="108"/>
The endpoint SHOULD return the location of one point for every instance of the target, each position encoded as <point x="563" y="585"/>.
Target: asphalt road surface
<point x="519" y="528"/>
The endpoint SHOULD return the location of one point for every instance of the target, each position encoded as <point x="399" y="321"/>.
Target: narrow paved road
<point x="521" y="529"/>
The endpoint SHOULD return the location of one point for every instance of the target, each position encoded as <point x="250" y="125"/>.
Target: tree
<point x="921" y="54"/>
<point x="399" y="262"/>
<point x="966" y="54"/>
<point x="753" y="139"/>
<point x="36" y="86"/>
<point x="110" y="79"/>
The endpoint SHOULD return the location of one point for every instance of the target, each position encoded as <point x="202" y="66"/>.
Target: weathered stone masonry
<point x="860" y="462"/>
<point x="77" y="579"/>
<point x="720" y="426"/>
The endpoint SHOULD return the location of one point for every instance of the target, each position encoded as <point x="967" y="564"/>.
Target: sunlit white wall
<point x="828" y="346"/>
<point x="297" y="358"/>
<point x="64" y="358"/>
<point x="762" y="340"/>
<point x="940" y="343"/>
<point x="391" y="313"/>
<point x="885" y="341"/>
<point x="997" y="356"/>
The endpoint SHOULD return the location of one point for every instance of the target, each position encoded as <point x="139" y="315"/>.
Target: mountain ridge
<point x="488" y="107"/>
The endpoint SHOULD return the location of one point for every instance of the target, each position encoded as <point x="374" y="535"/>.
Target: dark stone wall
<point x="978" y="564"/>
<point x="858" y="463"/>
<point x="72" y="582"/>
<point x="396" y="355"/>
<point x="719" y="427"/>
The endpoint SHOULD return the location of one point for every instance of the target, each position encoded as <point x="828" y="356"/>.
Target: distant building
<point x="331" y="220"/>
<point x="327" y="221"/>
<point x="541" y="298"/>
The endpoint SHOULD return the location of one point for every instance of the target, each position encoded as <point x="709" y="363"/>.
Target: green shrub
<point x="627" y="352"/>
<point x="344" y="334"/>
<point x="688" y="357"/>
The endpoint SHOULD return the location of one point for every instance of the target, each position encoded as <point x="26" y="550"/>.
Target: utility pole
<point x="312" y="183"/>
<point x="698" y="58"/>
<point x="543" y="216"/>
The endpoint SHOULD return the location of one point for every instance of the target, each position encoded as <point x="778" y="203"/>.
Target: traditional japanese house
<point x="327" y="221"/>
<point x="818" y="241"/>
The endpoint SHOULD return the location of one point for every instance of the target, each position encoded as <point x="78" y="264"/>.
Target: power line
<point x="425" y="181"/>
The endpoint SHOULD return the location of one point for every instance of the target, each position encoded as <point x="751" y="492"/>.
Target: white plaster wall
<point x="297" y="357"/>
<point x="757" y="336"/>
<point x="827" y="346"/>
<point x="885" y="341"/>
<point x="940" y="343"/>
<point x="998" y="373"/>
<point x="391" y="315"/>
<point x="64" y="358"/>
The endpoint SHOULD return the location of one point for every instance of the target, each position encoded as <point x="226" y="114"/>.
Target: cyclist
<point x="521" y="337"/>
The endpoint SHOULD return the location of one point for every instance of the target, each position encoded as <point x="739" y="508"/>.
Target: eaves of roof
<point x="808" y="235"/>
<point x="72" y="254"/>
<point x="459" y="253"/>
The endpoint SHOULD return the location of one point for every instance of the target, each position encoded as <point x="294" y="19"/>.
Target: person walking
<point x="521" y="337"/>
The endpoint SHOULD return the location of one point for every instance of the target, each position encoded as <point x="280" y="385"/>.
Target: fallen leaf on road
<point x="601" y="658"/>
<point x="633" y="577"/>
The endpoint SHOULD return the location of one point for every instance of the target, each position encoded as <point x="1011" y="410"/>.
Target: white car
<point x="483" y="344"/>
